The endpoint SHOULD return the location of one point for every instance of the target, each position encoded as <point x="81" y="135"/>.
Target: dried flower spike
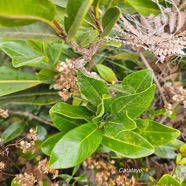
<point x="43" y="168"/>
<point x="4" y="113"/>
<point x="27" y="146"/>
<point x="2" y="166"/>
<point x="25" y="179"/>
<point x="32" y="135"/>
<point x="66" y="81"/>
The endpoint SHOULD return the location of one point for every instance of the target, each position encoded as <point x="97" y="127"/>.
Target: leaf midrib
<point x="128" y="143"/>
<point x="142" y="81"/>
<point x="134" y="97"/>
<point x="68" y="152"/>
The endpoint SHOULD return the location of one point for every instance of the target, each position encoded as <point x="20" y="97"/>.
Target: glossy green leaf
<point x="70" y="111"/>
<point x="64" y="118"/>
<point x="64" y="123"/>
<point x="37" y="31"/>
<point x="144" y="7"/>
<point x="31" y="96"/>
<point x="167" y="179"/>
<point x="128" y="144"/>
<point x="140" y="80"/>
<point x="118" y="123"/>
<point x="13" y="81"/>
<point x="13" y="131"/>
<point x="109" y="19"/>
<point x="91" y="88"/>
<point x="76" y="12"/>
<point x="48" y="144"/>
<point x="75" y="146"/>
<point x="134" y="104"/>
<point x="22" y="54"/>
<point x="28" y="11"/>
<point x="156" y="133"/>
<point x="106" y="73"/>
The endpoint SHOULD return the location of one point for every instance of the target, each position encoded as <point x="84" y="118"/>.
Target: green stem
<point x="98" y="20"/>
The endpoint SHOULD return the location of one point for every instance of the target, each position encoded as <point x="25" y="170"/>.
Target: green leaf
<point x="66" y="117"/>
<point x="41" y="132"/>
<point x="37" y="31"/>
<point x="109" y="19"/>
<point x="28" y="11"/>
<point x="167" y="179"/>
<point x="64" y="123"/>
<point x="123" y="90"/>
<point x="53" y="51"/>
<point x="180" y="173"/>
<point x="13" y="131"/>
<point x="14" y="184"/>
<point x="166" y="151"/>
<point x="100" y="2"/>
<point x="106" y="73"/>
<point x="75" y="146"/>
<point x="76" y="12"/>
<point x="118" y="123"/>
<point x="22" y="54"/>
<point x="116" y="44"/>
<point x="13" y="81"/>
<point x="156" y="133"/>
<point x="128" y="144"/>
<point x="129" y="56"/>
<point x="84" y="38"/>
<point x="144" y="7"/>
<point x="140" y="80"/>
<point x="32" y="96"/>
<point x="89" y="19"/>
<point x="135" y="104"/>
<point x="48" y="144"/>
<point x="74" y="112"/>
<point x="92" y="89"/>
<point x="46" y="76"/>
<point x="100" y="111"/>
<point x="61" y="3"/>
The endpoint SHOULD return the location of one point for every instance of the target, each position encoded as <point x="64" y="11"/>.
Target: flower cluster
<point x="29" y="144"/>
<point x="179" y="95"/>
<point x="4" y="113"/>
<point x="176" y="95"/>
<point x="43" y="168"/>
<point x="25" y="179"/>
<point x="66" y="81"/>
<point x="107" y="174"/>
<point x="2" y="166"/>
<point x="168" y="108"/>
<point x="104" y="171"/>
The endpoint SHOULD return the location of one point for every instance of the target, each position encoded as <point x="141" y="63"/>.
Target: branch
<point x="29" y="115"/>
<point x="154" y="77"/>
